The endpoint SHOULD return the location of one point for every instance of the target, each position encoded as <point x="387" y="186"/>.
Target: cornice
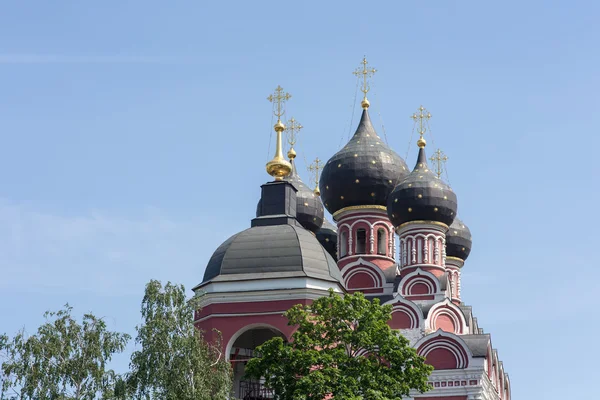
<point x="359" y="208"/>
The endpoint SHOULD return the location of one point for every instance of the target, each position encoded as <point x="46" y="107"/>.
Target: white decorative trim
<point x="398" y="301"/>
<point x="440" y="333"/>
<point x="439" y="308"/>
<point x="368" y="267"/>
<point x="270" y="284"/>
<point x="419" y="272"/>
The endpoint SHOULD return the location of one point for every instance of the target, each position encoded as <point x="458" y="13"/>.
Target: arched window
<point x="344" y="244"/>
<point x="381" y="242"/>
<point x="361" y="241"/>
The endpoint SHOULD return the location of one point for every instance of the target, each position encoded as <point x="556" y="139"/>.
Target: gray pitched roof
<point x="478" y="344"/>
<point x="273" y="251"/>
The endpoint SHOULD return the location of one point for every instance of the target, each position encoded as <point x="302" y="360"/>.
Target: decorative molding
<point x="443" y="308"/>
<point x="434" y="223"/>
<point x="419" y="276"/>
<point x="364" y="266"/>
<point x="358" y="208"/>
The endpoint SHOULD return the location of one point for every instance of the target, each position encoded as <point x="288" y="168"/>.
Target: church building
<point x="395" y="236"/>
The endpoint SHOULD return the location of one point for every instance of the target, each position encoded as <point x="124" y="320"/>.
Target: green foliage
<point x="175" y="362"/>
<point x="344" y="348"/>
<point x="64" y="360"/>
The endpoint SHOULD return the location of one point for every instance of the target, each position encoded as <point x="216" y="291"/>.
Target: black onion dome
<point x="458" y="240"/>
<point x="363" y="172"/>
<point x="422" y="196"/>
<point x="328" y="238"/>
<point x="309" y="209"/>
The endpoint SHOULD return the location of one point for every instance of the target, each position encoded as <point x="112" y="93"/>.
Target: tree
<point x="342" y="348"/>
<point x="64" y="360"/>
<point x="175" y="362"/>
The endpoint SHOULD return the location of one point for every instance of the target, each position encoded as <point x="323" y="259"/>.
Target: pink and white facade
<point x="414" y="266"/>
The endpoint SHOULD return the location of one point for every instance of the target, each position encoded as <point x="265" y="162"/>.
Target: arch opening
<point x="381" y="242"/>
<point x="344" y="244"/>
<point x="242" y="350"/>
<point x="361" y="241"/>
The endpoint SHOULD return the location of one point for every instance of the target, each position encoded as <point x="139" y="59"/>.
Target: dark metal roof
<point x="467" y="311"/>
<point x="422" y="196"/>
<point x="273" y="251"/>
<point x="458" y="240"/>
<point x="363" y="172"/>
<point x="328" y="238"/>
<point x="478" y="344"/>
<point x="309" y="208"/>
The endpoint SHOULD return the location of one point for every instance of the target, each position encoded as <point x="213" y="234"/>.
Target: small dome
<point x="363" y="172"/>
<point x="422" y="196"/>
<point x="272" y="251"/>
<point x="309" y="209"/>
<point x="458" y="240"/>
<point x="328" y="238"/>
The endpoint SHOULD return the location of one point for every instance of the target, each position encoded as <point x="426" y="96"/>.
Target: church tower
<point x="258" y="274"/>
<point x="355" y="184"/>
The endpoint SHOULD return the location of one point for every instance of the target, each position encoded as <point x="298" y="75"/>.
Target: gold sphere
<point x="421" y="143"/>
<point x="365" y="103"/>
<point x="279" y="127"/>
<point x="279" y="168"/>
<point x="317" y="191"/>
<point x="291" y="154"/>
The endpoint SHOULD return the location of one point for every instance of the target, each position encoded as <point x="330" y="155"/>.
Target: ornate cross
<point x="315" y="167"/>
<point x="278" y="98"/>
<point x="439" y="158"/>
<point x="366" y="73"/>
<point x="422" y="116"/>
<point x="292" y="127"/>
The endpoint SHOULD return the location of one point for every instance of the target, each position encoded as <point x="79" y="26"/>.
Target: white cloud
<point x="99" y="253"/>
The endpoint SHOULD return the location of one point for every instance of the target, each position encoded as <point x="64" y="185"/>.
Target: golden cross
<point x="423" y="117"/>
<point x="366" y="73"/>
<point x="439" y="158"/>
<point x="315" y="167"/>
<point x="278" y="98"/>
<point x="292" y="127"/>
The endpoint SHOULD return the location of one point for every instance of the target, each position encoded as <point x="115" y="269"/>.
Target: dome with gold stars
<point x="328" y="238"/>
<point x="458" y="240"/>
<point x="422" y="196"/>
<point x="363" y="172"/>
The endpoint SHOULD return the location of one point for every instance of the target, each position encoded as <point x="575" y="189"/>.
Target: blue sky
<point x="133" y="138"/>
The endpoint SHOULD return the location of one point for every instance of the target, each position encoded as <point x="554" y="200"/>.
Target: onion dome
<point x="328" y="238"/>
<point x="363" y="172"/>
<point x="272" y="251"/>
<point x="458" y="240"/>
<point x="309" y="209"/>
<point x="422" y="196"/>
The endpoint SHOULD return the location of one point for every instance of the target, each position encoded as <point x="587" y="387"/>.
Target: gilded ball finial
<point x="279" y="167"/>
<point x="291" y="153"/>
<point x="421" y="143"/>
<point x="365" y="103"/>
<point x="317" y="191"/>
<point x="279" y="127"/>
